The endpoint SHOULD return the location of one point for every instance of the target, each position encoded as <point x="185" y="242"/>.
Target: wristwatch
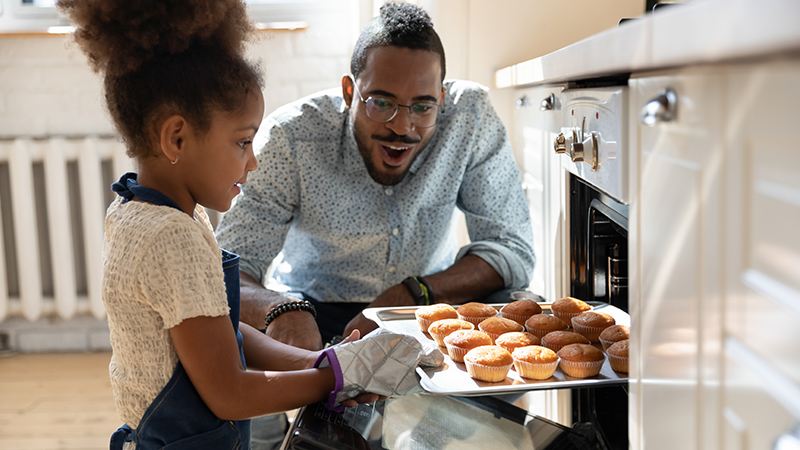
<point x="414" y="288"/>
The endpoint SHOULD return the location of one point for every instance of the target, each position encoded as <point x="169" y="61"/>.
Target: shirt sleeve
<point x="255" y="227"/>
<point x="493" y="201"/>
<point x="181" y="275"/>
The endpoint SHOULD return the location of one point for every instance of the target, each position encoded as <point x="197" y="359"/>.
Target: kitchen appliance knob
<point x="560" y="144"/>
<point x="590" y="150"/>
<point x="663" y="108"/>
<point x="576" y="151"/>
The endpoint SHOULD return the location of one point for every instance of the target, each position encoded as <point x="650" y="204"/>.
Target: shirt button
<point x="392" y="269"/>
<point x="395" y="231"/>
<point x="389" y="192"/>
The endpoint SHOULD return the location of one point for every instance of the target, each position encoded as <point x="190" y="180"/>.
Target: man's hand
<point x="296" y="328"/>
<point x="396" y="295"/>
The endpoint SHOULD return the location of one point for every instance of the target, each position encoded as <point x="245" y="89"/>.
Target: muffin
<point x="520" y="310"/>
<point x="516" y="339"/>
<point x="614" y="333"/>
<point x="618" y="356"/>
<point x="568" y="307"/>
<point x="488" y="363"/>
<point x="495" y="326"/>
<point x="441" y="328"/>
<point x="556" y="340"/>
<point x="426" y="315"/>
<point x="541" y="324"/>
<point x="535" y="362"/>
<point x="591" y="324"/>
<point x="475" y="312"/>
<point x="459" y="342"/>
<point x="581" y="360"/>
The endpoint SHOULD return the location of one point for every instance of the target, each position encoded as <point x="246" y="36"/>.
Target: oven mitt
<point x="382" y="362"/>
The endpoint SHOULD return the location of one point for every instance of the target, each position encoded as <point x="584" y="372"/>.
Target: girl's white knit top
<point x="160" y="267"/>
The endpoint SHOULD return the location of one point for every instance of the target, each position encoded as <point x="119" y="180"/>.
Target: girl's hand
<point x="366" y="397"/>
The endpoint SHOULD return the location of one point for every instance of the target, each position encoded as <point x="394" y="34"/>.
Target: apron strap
<point x="127" y="188"/>
<point x="123" y="434"/>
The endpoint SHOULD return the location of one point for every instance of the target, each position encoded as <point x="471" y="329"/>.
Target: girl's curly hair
<point x="165" y="57"/>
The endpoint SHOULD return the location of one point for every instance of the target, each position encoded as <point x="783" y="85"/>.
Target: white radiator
<point x="53" y="197"/>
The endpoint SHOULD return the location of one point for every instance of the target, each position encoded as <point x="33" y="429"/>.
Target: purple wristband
<point x="337" y="371"/>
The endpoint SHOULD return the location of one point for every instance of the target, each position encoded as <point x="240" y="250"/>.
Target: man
<point x="358" y="190"/>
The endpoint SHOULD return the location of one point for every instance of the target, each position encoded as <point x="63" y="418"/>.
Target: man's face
<point x="406" y="76"/>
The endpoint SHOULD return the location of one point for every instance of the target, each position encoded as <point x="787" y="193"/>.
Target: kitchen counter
<point x="701" y="32"/>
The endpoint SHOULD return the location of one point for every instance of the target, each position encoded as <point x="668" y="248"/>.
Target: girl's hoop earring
<point x="174" y="162"/>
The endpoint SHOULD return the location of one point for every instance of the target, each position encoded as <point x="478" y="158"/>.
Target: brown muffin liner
<point x="581" y="369"/>
<point x="618" y="363"/>
<point x="535" y="371"/>
<point x="491" y="374"/>
<point x="515" y="317"/>
<point x="475" y="320"/>
<point x="591" y="333"/>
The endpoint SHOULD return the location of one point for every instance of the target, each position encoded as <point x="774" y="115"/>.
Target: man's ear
<point x="173" y="137"/>
<point x="347" y="89"/>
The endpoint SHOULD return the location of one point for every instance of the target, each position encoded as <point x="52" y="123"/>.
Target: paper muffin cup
<point x="591" y="333"/>
<point x="554" y="347"/>
<point x="607" y="344"/>
<point x="424" y="324"/>
<point x="456" y="353"/>
<point x="440" y="338"/>
<point x="535" y="371"/>
<point x="536" y="332"/>
<point x="491" y="374"/>
<point x="476" y="320"/>
<point x="520" y="319"/>
<point x="618" y="363"/>
<point x="581" y="369"/>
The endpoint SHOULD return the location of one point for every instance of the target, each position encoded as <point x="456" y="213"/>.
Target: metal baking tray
<point x="452" y="377"/>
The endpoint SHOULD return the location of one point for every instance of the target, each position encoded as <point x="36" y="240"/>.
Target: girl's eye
<point x="244" y="144"/>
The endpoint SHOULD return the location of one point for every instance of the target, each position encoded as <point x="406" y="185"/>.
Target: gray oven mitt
<point x="382" y="362"/>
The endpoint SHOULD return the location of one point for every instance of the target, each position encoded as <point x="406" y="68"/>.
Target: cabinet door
<point x="761" y="389"/>
<point x="676" y="217"/>
<point x="536" y="126"/>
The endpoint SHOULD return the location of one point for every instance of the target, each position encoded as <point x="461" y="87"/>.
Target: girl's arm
<point x="206" y="347"/>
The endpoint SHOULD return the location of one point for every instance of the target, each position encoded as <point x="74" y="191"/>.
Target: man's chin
<point x="387" y="178"/>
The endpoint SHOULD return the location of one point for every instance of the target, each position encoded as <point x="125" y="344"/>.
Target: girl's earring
<point x="175" y="161"/>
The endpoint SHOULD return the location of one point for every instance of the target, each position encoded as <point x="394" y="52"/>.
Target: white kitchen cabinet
<point x="715" y="221"/>
<point x="537" y="126"/>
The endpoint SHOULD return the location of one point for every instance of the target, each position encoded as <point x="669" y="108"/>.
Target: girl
<point x="184" y="371"/>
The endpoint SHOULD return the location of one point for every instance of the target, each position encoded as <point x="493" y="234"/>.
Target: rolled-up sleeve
<point x="256" y="226"/>
<point x="494" y="204"/>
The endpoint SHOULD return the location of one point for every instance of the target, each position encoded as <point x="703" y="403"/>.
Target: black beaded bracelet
<point x="298" y="305"/>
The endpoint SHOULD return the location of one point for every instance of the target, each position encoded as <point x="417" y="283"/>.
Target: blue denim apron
<point x="178" y="418"/>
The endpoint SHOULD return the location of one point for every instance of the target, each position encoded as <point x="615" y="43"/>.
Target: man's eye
<point x="423" y="108"/>
<point x="383" y="103"/>
<point x="244" y="144"/>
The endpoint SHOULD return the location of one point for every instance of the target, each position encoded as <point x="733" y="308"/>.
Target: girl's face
<point x="220" y="160"/>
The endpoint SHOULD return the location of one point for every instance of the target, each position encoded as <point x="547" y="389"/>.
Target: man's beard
<point x="381" y="177"/>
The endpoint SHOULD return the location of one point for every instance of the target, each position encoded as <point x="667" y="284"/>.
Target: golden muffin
<point x="541" y="324"/>
<point x="614" y="333"/>
<point x="495" y="326"/>
<point x="535" y="362"/>
<point x="426" y="315"/>
<point x="618" y="356"/>
<point x="475" y="312"/>
<point x="555" y="340"/>
<point x="488" y="363"/>
<point x="441" y="328"/>
<point x="591" y="324"/>
<point x="459" y="342"/>
<point x="520" y="310"/>
<point x="516" y="339"/>
<point x="568" y="307"/>
<point x="581" y="360"/>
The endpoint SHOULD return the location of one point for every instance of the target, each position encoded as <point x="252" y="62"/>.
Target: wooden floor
<point x="56" y="401"/>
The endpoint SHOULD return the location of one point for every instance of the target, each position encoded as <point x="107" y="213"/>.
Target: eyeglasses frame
<point x="439" y="108"/>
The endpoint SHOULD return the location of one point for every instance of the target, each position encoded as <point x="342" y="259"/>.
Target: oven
<point x="591" y="146"/>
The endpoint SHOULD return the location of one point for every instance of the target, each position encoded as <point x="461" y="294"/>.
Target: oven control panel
<point x="592" y="138"/>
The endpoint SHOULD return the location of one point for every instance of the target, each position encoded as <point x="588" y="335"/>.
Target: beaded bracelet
<point x="299" y="305"/>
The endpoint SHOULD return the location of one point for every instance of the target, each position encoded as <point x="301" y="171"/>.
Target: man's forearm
<point x="468" y="279"/>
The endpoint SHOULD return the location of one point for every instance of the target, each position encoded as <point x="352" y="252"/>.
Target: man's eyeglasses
<point x="382" y="109"/>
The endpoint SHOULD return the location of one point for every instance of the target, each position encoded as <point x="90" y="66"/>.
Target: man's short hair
<point x="399" y="25"/>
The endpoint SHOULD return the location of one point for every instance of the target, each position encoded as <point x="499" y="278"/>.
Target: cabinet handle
<point x="663" y="108"/>
<point x="788" y="441"/>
